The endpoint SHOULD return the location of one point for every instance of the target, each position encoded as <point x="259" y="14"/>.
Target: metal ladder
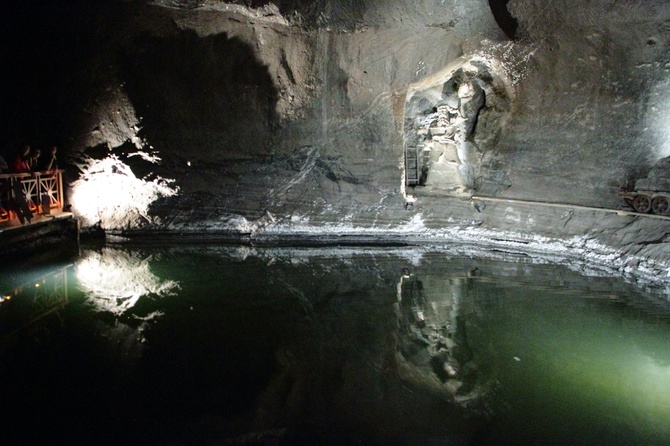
<point x="411" y="166"/>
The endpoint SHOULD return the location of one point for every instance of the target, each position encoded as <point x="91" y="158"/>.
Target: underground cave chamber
<point x="342" y="223"/>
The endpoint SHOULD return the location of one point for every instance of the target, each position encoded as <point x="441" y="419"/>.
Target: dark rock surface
<point x="291" y="117"/>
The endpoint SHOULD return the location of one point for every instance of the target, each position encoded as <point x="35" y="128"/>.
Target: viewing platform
<point x="31" y="212"/>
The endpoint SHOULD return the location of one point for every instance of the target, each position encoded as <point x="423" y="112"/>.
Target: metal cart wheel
<point x="660" y="205"/>
<point x="642" y="204"/>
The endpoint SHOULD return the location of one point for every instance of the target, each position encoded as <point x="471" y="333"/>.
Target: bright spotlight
<point x="109" y="194"/>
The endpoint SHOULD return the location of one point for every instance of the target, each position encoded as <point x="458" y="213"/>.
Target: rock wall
<point x="249" y="106"/>
<point x="589" y="116"/>
<point x="249" y="114"/>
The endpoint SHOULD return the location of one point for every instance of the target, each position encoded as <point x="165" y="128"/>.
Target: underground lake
<point x="202" y="344"/>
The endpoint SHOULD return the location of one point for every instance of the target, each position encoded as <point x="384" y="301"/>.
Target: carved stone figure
<point x="452" y="125"/>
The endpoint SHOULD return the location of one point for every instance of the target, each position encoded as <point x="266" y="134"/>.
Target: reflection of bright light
<point x="115" y="280"/>
<point x="655" y="387"/>
<point x="612" y="375"/>
<point x="638" y="392"/>
<point x="109" y="194"/>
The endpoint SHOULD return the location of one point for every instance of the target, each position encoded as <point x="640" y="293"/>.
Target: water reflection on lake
<point x="234" y="345"/>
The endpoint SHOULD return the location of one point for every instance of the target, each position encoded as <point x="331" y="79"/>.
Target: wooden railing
<point x="40" y="190"/>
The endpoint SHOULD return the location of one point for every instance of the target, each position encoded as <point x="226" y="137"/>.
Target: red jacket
<point x="20" y="165"/>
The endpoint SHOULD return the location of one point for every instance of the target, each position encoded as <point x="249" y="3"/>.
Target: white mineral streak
<point x="266" y="13"/>
<point x="509" y="60"/>
<point x="579" y="253"/>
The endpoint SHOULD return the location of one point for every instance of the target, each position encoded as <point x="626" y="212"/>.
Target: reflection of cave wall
<point x="451" y="126"/>
<point x="206" y="94"/>
<point x="433" y="346"/>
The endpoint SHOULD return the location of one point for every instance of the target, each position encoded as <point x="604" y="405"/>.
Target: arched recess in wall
<point x="452" y="121"/>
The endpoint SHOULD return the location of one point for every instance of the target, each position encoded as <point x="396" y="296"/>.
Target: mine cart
<point x="644" y="201"/>
<point x="652" y="194"/>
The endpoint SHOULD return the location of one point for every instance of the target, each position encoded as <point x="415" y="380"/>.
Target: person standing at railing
<point x="21" y="161"/>
<point x="49" y="161"/>
<point x="34" y="159"/>
<point x="20" y="164"/>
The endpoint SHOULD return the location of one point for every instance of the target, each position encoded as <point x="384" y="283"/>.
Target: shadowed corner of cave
<point x="207" y="107"/>
<point x="503" y="17"/>
<point x="35" y="90"/>
<point x="208" y="97"/>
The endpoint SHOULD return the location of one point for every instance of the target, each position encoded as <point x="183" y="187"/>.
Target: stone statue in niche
<point x="472" y="99"/>
<point x="450" y="140"/>
<point x="453" y="121"/>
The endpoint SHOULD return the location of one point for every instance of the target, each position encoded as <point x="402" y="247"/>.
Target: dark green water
<point x="224" y="345"/>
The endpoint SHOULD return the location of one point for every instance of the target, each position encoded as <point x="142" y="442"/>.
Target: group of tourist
<point x="26" y="160"/>
<point x="29" y="160"/>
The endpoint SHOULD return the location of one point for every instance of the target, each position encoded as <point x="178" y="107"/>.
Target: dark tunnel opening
<point x="503" y="17"/>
